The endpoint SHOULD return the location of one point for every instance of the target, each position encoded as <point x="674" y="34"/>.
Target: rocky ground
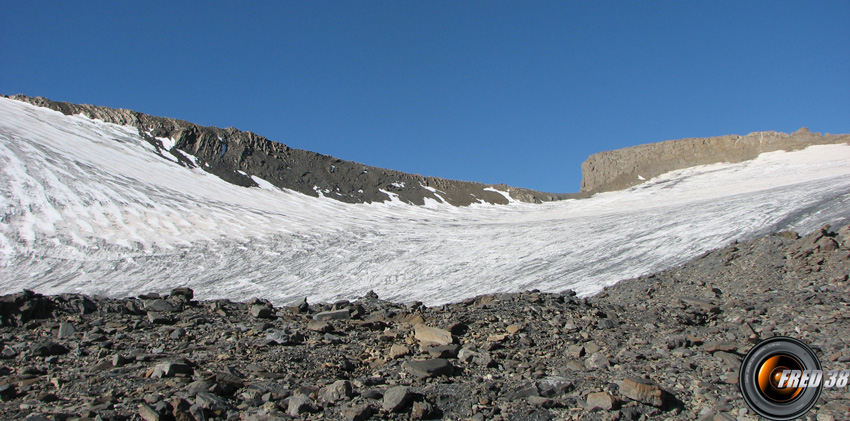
<point x="666" y="346"/>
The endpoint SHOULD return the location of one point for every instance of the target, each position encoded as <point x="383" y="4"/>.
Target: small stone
<point x="571" y="327"/>
<point x="278" y="337"/>
<point x="332" y="315"/>
<point x="444" y="351"/>
<point x="575" y="351"/>
<point x="524" y="391"/>
<point x="513" y="329"/>
<point x="357" y="413"/>
<point x="432" y="336"/>
<point x="171" y="369"/>
<point x="643" y="391"/>
<point x="260" y="311"/>
<point x="592" y="348"/>
<point x="597" y="360"/>
<point x="605" y="324"/>
<point x="119" y="360"/>
<point x="210" y="401"/>
<point x="677" y="341"/>
<point x="66" y="330"/>
<point x="424" y="369"/>
<point x="197" y="412"/>
<point x="542" y="402"/>
<point x="701" y="304"/>
<point x="181" y="410"/>
<point x="177" y="333"/>
<point x="480" y="358"/>
<point x="421" y="411"/>
<point x="397" y="398"/>
<point x="398" y="351"/>
<point x="147" y="413"/>
<point x="183" y="293"/>
<point x="720" y="346"/>
<point x="46" y="349"/>
<point x="300" y="305"/>
<point x="158" y="318"/>
<point x="8" y="352"/>
<point x="600" y="400"/>
<point x="198" y="386"/>
<point x="317" y="326"/>
<point x="732" y="361"/>
<point x="160" y="305"/>
<point x="338" y="390"/>
<point x="822" y="416"/>
<point x="7" y="392"/>
<point x="101" y="366"/>
<point x="554" y="385"/>
<point x="299" y="404"/>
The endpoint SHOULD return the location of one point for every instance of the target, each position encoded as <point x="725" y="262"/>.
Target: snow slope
<point x="90" y="207"/>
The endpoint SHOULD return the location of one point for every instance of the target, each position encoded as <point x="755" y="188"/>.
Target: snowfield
<point x="90" y="207"/>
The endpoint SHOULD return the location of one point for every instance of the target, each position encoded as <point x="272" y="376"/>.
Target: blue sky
<point x="495" y="91"/>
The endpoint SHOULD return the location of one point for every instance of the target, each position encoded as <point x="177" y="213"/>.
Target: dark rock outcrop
<point x="235" y="156"/>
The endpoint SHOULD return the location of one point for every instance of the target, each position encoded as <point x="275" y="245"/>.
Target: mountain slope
<point x="236" y="156"/>
<point x="94" y="207"/>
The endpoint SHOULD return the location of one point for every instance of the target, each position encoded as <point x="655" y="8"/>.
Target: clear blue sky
<point x="490" y="91"/>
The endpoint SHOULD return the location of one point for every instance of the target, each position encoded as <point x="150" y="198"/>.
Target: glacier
<point x="90" y="207"/>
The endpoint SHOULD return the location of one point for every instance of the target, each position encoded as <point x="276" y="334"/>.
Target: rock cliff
<point x="623" y="168"/>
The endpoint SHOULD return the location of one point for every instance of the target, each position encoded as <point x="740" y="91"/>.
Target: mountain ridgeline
<point x="236" y="156"/>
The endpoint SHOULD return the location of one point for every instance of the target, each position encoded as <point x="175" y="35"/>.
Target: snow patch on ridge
<point x="506" y="195"/>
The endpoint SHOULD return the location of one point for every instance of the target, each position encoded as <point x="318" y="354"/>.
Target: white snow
<point x="167" y="142"/>
<point x="264" y="184"/>
<point x="88" y="206"/>
<point x="506" y="195"/>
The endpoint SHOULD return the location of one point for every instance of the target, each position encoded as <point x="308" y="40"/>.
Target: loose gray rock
<point x="429" y="368"/>
<point x="358" y="413"/>
<point x="432" y="336"/>
<point x="46" y="349"/>
<point x="300" y="404"/>
<point x="261" y="311"/>
<point x="148" y="414"/>
<point x="277" y="337"/>
<point x="338" y="390"/>
<point x="597" y="360"/>
<point x="642" y="391"/>
<point x="158" y="318"/>
<point x="160" y="306"/>
<point x="171" y="369"/>
<point x="397" y="398"/>
<point x="332" y="315"/>
<point x="600" y="400"/>
<point x="66" y="330"/>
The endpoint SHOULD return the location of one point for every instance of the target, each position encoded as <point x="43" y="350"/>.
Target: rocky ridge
<point x="663" y="346"/>
<point x="235" y="156"/>
<point x="623" y="168"/>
